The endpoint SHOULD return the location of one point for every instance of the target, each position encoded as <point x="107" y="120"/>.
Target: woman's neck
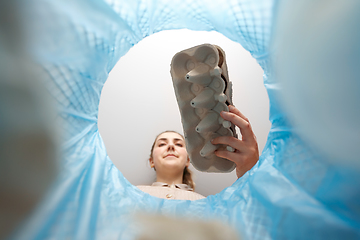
<point x="170" y="179"/>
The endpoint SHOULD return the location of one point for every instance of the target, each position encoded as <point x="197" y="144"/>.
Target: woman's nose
<point x="171" y="146"/>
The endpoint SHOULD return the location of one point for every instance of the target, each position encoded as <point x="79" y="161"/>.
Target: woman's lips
<point x="170" y="155"/>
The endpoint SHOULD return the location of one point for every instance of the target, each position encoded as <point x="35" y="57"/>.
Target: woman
<point x="170" y="160"/>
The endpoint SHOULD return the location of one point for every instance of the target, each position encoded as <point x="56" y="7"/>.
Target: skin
<point x="169" y="157"/>
<point x="247" y="153"/>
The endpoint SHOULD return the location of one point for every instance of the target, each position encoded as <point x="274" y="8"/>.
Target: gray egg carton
<point x="203" y="90"/>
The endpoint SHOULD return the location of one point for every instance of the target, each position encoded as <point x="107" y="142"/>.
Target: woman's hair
<point x="187" y="175"/>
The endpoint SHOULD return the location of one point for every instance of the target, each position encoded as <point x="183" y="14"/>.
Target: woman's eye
<point x="179" y="144"/>
<point x="161" y="144"/>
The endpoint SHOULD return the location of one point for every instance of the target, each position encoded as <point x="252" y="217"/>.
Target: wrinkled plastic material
<point x="291" y="193"/>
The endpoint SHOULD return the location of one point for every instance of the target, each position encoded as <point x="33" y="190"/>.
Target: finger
<point x="237" y="112"/>
<point x="230" y="141"/>
<point x="232" y="156"/>
<point x="244" y="126"/>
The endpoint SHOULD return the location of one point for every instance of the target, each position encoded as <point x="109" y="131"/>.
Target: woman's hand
<point x="246" y="152"/>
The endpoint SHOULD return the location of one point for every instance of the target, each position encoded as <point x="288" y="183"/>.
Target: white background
<point x="138" y="102"/>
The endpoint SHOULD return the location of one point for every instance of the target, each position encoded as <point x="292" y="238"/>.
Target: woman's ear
<point x="151" y="161"/>
<point x="188" y="162"/>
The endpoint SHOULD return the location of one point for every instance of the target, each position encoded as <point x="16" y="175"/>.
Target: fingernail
<point x="223" y="112"/>
<point x="230" y="107"/>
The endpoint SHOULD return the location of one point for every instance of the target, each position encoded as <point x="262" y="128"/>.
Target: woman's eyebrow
<point x="163" y="139"/>
<point x="174" y="139"/>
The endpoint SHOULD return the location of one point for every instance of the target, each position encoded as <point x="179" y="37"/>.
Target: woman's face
<point x="169" y="153"/>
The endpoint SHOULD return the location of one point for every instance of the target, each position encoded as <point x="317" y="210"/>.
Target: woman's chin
<point x="173" y="164"/>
